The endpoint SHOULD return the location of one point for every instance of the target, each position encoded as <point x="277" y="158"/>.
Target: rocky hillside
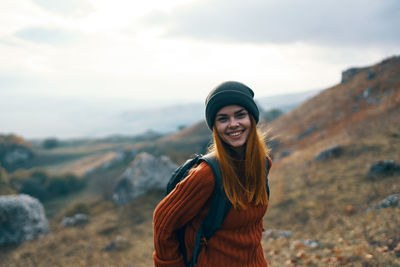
<point x="327" y="198"/>
<point x="367" y="99"/>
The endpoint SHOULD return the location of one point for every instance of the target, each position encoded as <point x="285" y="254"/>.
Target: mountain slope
<point x="326" y="200"/>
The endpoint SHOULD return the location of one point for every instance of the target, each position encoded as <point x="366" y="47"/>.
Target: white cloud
<point x="330" y="22"/>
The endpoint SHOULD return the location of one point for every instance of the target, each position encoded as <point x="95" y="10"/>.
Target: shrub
<point x="50" y="143"/>
<point x="44" y="187"/>
<point x="34" y="188"/>
<point x="63" y="185"/>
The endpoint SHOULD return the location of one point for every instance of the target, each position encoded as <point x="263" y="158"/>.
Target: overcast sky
<point x="177" y="50"/>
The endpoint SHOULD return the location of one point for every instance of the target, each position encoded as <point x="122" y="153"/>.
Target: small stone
<point x="77" y="219"/>
<point x="119" y="243"/>
<point x="331" y="152"/>
<point x="390" y="201"/>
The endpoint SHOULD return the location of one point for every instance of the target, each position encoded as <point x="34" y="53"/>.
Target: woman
<point x="232" y="115"/>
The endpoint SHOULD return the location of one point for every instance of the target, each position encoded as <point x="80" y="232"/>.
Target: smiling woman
<point x="231" y="114"/>
<point x="233" y="125"/>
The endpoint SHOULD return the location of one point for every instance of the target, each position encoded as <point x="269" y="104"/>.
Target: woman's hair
<point x="252" y="187"/>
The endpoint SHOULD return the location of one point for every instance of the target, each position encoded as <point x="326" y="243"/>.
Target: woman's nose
<point x="233" y="123"/>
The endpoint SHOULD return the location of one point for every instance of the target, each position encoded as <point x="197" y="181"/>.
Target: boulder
<point x="331" y="152"/>
<point x="384" y="168"/>
<point x="146" y="173"/>
<point x="22" y="219"/>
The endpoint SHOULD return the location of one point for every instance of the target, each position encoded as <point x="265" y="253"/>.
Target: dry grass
<point x="80" y="166"/>
<point x="359" y="240"/>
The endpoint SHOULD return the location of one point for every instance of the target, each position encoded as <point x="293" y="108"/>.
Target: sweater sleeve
<point x="175" y="210"/>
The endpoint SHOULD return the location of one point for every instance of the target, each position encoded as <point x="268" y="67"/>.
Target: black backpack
<point x="219" y="208"/>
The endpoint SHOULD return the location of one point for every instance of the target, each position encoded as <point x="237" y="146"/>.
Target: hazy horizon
<point x="70" y="118"/>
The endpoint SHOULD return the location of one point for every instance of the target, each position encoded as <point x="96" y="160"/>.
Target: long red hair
<point x="250" y="188"/>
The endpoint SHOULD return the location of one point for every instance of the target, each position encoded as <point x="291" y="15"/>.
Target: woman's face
<point x="233" y="125"/>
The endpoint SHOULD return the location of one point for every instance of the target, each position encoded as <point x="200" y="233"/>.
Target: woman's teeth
<point x="235" y="133"/>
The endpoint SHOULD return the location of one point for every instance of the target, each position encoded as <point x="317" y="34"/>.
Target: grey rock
<point x="272" y="234"/>
<point x="119" y="243"/>
<point x="390" y="201"/>
<point x="15" y="155"/>
<point x="146" y="172"/>
<point x="385" y="167"/>
<point x="285" y="153"/>
<point x="76" y="220"/>
<point x="349" y="74"/>
<point x="331" y="152"/>
<point x="307" y="132"/>
<point x="285" y="234"/>
<point x="22" y="218"/>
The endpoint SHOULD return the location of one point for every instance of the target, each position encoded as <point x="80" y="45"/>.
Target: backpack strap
<point x="219" y="208"/>
<point x="220" y="204"/>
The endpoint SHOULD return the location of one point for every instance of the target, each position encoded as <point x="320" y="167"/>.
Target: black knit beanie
<point x="230" y="93"/>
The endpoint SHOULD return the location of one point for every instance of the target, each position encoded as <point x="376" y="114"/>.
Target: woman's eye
<point x="241" y="115"/>
<point x="222" y="119"/>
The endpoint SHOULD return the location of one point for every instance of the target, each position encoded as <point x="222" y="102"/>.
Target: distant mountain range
<point x="80" y="118"/>
<point x="171" y="118"/>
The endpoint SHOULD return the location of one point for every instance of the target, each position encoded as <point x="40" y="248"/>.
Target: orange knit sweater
<point x="236" y="243"/>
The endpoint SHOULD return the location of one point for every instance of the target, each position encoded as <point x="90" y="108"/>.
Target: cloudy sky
<point x="166" y="51"/>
